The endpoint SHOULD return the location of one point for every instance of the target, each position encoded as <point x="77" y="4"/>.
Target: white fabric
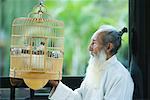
<point x="116" y="84"/>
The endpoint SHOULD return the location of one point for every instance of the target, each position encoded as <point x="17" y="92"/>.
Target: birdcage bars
<point x="51" y="30"/>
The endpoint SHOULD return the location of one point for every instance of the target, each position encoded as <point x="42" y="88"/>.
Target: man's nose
<point x="90" y="47"/>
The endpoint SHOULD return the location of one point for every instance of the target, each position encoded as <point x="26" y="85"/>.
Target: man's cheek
<point x="96" y="51"/>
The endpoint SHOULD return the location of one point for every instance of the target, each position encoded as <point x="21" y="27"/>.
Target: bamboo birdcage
<point x="37" y="48"/>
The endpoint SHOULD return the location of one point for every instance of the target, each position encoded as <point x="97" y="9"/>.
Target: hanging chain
<point x="40" y="6"/>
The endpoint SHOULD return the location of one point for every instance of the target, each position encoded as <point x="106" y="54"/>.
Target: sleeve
<point x="63" y="92"/>
<point x="121" y="89"/>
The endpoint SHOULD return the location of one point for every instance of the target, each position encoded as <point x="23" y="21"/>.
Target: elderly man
<point x="106" y="78"/>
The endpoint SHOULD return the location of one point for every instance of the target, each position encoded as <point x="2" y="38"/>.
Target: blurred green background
<point x="81" y="19"/>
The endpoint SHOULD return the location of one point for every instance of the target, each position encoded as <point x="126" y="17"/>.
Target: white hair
<point x="107" y="27"/>
<point x="104" y="28"/>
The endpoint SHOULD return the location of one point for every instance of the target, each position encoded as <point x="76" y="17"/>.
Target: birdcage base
<point x="35" y="84"/>
<point x="35" y="80"/>
<point x="35" y="75"/>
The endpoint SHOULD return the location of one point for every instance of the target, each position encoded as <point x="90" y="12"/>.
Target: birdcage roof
<point x="38" y="21"/>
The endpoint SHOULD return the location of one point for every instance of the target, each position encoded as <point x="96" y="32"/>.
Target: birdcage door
<point x="38" y="54"/>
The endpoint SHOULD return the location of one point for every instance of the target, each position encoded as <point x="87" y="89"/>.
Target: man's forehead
<point x="98" y="33"/>
<point x="95" y="35"/>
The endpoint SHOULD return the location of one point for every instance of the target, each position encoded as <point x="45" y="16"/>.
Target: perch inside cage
<point x="37" y="48"/>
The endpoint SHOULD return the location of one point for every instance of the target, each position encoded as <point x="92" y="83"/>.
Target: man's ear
<point x="109" y="47"/>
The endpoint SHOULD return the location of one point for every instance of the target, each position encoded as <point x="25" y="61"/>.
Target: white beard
<point x="93" y="73"/>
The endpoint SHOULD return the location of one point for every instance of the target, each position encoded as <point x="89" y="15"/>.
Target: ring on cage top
<point x="37" y="48"/>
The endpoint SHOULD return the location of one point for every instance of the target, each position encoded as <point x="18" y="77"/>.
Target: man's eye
<point x="94" y="42"/>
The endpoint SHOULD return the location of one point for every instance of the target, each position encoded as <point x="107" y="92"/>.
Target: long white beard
<point x="93" y="74"/>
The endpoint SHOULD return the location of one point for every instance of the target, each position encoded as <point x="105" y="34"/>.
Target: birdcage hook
<point x="41" y="1"/>
<point x="39" y="10"/>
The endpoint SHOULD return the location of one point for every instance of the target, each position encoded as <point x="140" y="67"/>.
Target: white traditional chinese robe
<point x="116" y="84"/>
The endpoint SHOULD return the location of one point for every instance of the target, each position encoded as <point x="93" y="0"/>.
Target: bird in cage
<point x="57" y="54"/>
<point x="40" y="48"/>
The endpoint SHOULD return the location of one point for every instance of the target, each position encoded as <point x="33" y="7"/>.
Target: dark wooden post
<point x="139" y="22"/>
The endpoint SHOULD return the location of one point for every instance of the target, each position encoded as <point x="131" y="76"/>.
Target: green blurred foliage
<point x="81" y="18"/>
